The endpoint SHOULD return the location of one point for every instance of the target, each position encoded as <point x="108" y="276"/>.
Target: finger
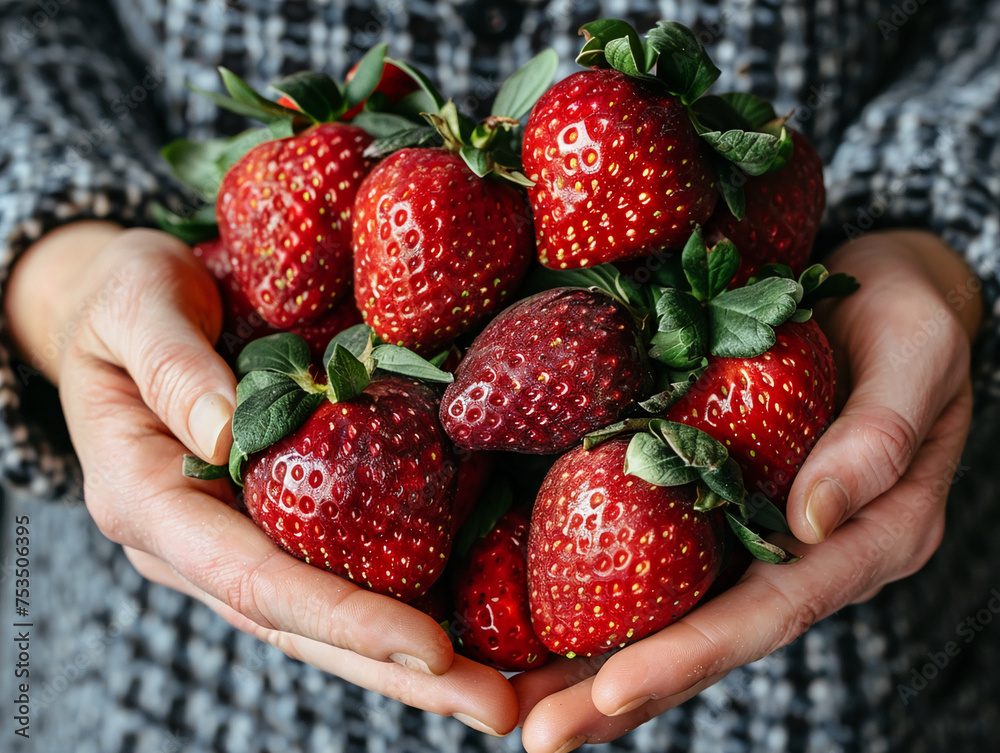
<point x="159" y="325"/>
<point x="475" y="694"/>
<point x="772" y="605"/>
<point x="139" y="498"/>
<point x="558" y="674"/>
<point x="898" y="391"/>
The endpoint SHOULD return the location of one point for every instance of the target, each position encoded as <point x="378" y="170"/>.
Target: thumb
<point x="159" y="326"/>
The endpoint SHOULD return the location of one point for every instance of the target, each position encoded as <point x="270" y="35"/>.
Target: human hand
<point x="135" y="314"/>
<point x="888" y="461"/>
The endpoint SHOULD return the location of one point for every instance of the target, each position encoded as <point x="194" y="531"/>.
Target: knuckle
<point x="928" y="543"/>
<point x="891" y="440"/>
<point x="246" y="592"/>
<point x="795" y="617"/>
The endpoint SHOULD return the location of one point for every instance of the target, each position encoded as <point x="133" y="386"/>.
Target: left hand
<point x="890" y="455"/>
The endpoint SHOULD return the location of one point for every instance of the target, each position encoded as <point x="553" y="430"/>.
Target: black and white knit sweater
<point x="902" y="100"/>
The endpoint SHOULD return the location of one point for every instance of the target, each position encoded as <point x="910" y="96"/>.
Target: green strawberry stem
<point x="278" y="392"/>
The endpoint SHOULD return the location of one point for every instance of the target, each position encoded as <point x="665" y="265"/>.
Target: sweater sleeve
<point x="925" y="153"/>
<point x="80" y="140"/>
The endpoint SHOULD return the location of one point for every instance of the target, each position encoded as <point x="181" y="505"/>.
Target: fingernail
<point x="477" y="725"/>
<point x="572" y="744"/>
<point x="411" y="662"/>
<point x="632" y="705"/>
<point x="825" y="507"/>
<point x="209" y="417"/>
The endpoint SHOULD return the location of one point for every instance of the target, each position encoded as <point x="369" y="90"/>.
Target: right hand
<point x="140" y="386"/>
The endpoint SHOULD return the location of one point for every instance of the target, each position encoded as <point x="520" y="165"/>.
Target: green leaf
<point x="347" y="376"/>
<point x="430" y="92"/>
<point x="246" y="101"/>
<point x="714" y="113"/>
<point x="726" y="481"/>
<point x="283" y="352"/>
<point x="386" y="145"/>
<point x="199" y="226"/>
<point x="694" y="261"/>
<point x="366" y="76"/>
<point x="682" y="63"/>
<point x="628" y="55"/>
<point x="594" y="438"/>
<point x="401" y="360"/>
<point x="693" y="446"/>
<point x="256" y="381"/>
<point x="682" y="336"/>
<point x="762" y="550"/>
<point x="195" y="467"/>
<point x="519" y="93"/>
<point x="731" y="182"/>
<point x="605" y="277"/>
<point x="316" y="94"/>
<point x="772" y="270"/>
<point x="598" y="34"/>
<point x="830" y="286"/>
<point x="763" y="512"/>
<point x="193" y="163"/>
<point x="755" y="153"/>
<point x="671" y="387"/>
<point x="723" y="262"/>
<point x="756" y="110"/>
<point x="355" y="339"/>
<point x="652" y="460"/>
<point x="270" y="414"/>
<point x="740" y="321"/>
<point x="384" y="125"/>
<point x="477" y="160"/>
<point x="492" y="506"/>
<point x="236" y="460"/>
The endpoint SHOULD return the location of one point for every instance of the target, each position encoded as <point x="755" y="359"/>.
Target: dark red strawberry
<point x="318" y="332"/>
<point x="437" y="248"/>
<point x="611" y="557"/>
<point x="492" y="618"/>
<point x="363" y="488"/>
<point x="474" y="471"/>
<point x="546" y="371"/>
<point x="284" y="212"/>
<point x="783" y="212"/>
<point x="436" y="602"/>
<point x="768" y="410"/>
<point x="619" y="170"/>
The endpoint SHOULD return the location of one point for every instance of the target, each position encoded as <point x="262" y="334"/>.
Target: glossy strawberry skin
<point x="284" y="212"/>
<point x="242" y="324"/>
<point x="619" y="171"/>
<point x="612" y="558"/>
<point x="546" y="371"/>
<point x="783" y="212"/>
<point x="770" y="410"/>
<point x="437" y="249"/>
<point x="492" y="618"/>
<point x="364" y="488"/>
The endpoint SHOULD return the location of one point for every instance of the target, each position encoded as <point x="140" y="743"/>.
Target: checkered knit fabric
<point x="903" y="102"/>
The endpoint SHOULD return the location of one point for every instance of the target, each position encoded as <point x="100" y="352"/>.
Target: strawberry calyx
<point x="672" y="57"/>
<point x="488" y="147"/>
<point x="665" y="453"/>
<point x="277" y="391"/>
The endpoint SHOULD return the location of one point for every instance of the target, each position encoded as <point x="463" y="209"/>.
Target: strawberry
<point x="354" y="475"/>
<point x="611" y="557"/>
<point x="284" y="211"/>
<point x="474" y="471"/>
<point x="619" y="170"/>
<point x="782" y="213"/>
<point x="492" y="617"/>
<point x="242" y="324"/>
<point x="546" y="371"/>
<point x="769" y="410"/>
<point x="394" y="84"/>
<point x="437" y="248"/>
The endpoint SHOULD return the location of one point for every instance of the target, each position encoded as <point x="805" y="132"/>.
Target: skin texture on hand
<point x="136" y="314"/>
<point x="887" y="462"/>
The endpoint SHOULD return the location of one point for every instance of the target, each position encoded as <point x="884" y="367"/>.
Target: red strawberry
<point x="612" y="558"/>
<point x="437" y="248"/>
<point x="474" y="470"/>
<point x="284" y="211"/>
<point x="619" y="170"/>
<point x="394" y="84"/>
<point x="242" y="323"/>
<point x="363" y="488"/>
<point x="436" y="602"/>
<point x="768" y="410"/>
<point x="783" y="211"/>
<point x="546" y="371"/>
<point x="491" y="600"/>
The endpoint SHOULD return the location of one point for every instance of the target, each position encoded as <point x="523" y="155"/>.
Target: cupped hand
<point x="140" y="385"/>
<point x="867" y="507"/>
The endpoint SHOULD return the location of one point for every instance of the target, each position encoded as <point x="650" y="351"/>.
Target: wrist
<point x="49" y="287"/>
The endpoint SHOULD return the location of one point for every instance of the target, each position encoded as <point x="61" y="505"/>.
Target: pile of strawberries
<point x="544" y="382"/>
